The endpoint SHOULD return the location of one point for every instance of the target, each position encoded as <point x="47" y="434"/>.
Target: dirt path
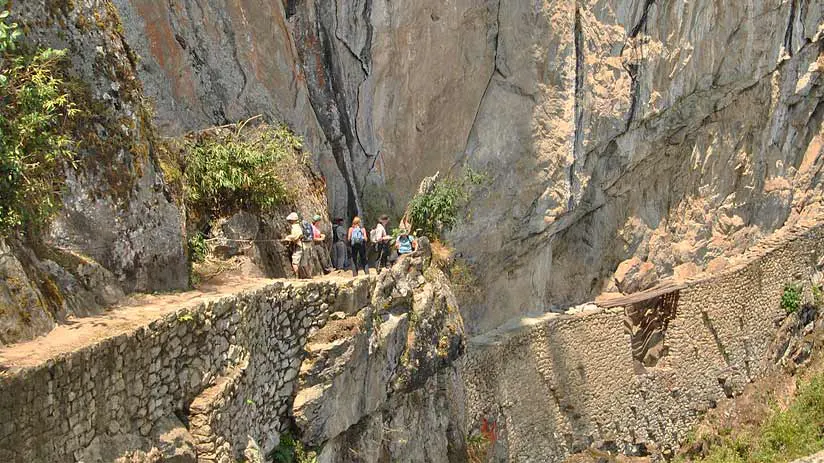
<point x="137" y="311"/>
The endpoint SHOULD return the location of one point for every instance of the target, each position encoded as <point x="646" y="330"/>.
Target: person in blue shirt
<point x="405" y="243"/>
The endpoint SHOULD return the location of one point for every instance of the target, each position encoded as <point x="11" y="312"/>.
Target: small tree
<point x="437" y="210"/>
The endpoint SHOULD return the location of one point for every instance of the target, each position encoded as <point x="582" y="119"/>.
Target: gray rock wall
<point x="119" y="229"/>
<point x="117" y="209"/>
<point x="633" y="378"/>
<point x="673" y="133"/>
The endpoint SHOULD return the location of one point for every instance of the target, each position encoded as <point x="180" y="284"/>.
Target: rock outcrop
<point x="379" y="385"/>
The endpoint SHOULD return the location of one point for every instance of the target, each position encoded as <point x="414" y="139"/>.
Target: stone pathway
<point x="138" y="310"/>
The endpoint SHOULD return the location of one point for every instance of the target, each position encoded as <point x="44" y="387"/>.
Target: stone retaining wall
<point x="226" y="368"/>
<point x="632" y="377"/>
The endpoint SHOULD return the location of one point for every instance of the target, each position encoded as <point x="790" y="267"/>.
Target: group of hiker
<point x="349" y="247"/>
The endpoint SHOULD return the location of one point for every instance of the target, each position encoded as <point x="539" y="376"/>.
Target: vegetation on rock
<point x="197" y="247"/>
<point x="291" y="450"/>
<point x="793" y="432"/>
<point x="35" y="142"/>
<point x="240" y="170"/>
<point x="437" y="210"/>
<point x="791" y="299"/>
<point x="220" y="171"/>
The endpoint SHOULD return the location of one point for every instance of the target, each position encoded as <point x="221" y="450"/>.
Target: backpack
<point x="357" y="235"/>
<point x="340" y="233"/>
<point x="308" y="235"/>
<point x="373" y="235"/>
<point x="405" y="245"/>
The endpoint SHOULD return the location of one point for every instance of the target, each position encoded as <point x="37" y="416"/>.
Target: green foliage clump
<point x="438" y="209"/>
<point x="9" y="34"/>
<point x="786" y="435"/>
<point x="291" y="450"/>
<point x="197" y="247"/>
<point x="238" y="171"/>
<point x="797" y="431"/>
<point x="34" y="138"/>
<point x="791" y="299"/>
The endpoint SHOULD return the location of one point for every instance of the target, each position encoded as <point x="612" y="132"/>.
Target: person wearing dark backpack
<point x="339" y="258"/>
<point x="358" y="238"/>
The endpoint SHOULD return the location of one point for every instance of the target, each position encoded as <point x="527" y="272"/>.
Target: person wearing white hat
<point x="294" y="239"/>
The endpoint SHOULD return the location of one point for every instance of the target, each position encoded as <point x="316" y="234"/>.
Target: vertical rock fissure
<point x="363" y="57"/>
<point x="634" y="69"/>
<point x="343" y="155"/>
<point x="327" y="96"/>
<point x="578" y="140"/>
<point x="788" y="34"/>
<point x="642" y="22"/>
<point x="495" y="70"/>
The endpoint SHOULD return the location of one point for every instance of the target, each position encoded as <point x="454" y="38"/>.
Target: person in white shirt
<point x="295" y="238"/>
<point x="382" y="240"/>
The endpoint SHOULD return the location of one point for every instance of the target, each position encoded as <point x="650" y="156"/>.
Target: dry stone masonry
<point x="635" y="376"/>
<point x="226" y="369"/>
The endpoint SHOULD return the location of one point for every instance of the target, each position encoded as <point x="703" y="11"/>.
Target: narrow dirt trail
<point x="138" y="310"/>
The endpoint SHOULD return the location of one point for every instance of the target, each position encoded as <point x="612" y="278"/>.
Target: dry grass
<point x="213" y="267"/>
<point x="441" y="254"/>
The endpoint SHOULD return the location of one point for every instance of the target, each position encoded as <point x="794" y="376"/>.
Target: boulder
<point x="633" y="275"/>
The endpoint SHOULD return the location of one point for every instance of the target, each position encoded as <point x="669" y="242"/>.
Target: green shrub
<point x="239" y="171"/>
<point x="291" y="450"/>
<point x="34" y="140"/>
<point x="791" y="299"/>
<point x="197" y="247"/>
<point x="438" y="210"/>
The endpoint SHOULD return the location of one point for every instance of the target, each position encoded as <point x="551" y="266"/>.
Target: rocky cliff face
<point x="671" y="133"/>
<point x="119" y="229"/>
<point x="122" y="225"/>
<point x="117" y="209"/>
<point x="674" y="132"/>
